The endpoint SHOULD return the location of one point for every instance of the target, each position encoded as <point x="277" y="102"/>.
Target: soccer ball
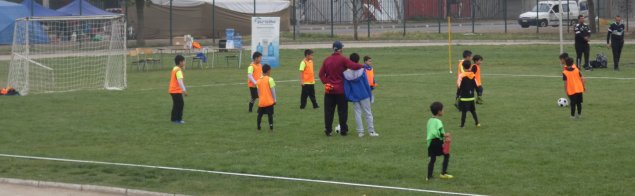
<point x="338" y="129"/>
<point x="562" y="102"/>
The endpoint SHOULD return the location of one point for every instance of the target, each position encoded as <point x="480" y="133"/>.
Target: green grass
<point x="527" y="145"/>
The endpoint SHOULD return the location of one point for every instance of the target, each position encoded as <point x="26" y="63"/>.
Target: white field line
<point x="234" y="174"/>
<point x="403" y="75"/>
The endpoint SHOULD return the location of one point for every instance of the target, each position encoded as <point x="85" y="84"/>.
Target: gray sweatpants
<point x="363" y="106"/>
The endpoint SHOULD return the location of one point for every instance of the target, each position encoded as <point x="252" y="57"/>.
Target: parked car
<point x="548" y="12"/>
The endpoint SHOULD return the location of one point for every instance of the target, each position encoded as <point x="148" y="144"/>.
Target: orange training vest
<point x="370" y="74"/>
<point x="308" y="76"/>
<point x="265" y="98"/>
<point x="468" y="74"/>
<point x="564" y="67"/>
<point x="478" y="74"/>
<point x="460" y="68"/>
<point x="574" y="81"/>
<point x="257" y="74"/>
<point x="174" y="83"/>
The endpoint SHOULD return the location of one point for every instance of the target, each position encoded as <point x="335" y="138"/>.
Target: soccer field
<point x="527" y="145"/>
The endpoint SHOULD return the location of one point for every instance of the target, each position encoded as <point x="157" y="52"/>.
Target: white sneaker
<point x="373" y="134"/>
<point x="360" y="134"/>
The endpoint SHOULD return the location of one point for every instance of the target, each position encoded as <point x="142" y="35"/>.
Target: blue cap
<point x="337" y="45"/>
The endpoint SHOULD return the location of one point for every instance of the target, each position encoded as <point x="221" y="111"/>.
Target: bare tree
<point x="139" y="5"/>
<point x="592" y="23"/>
<point x="355" y="18"/>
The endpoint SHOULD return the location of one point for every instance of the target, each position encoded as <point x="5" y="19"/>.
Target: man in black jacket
<point x="615" y="40"/>
<point x="582" y="36"/>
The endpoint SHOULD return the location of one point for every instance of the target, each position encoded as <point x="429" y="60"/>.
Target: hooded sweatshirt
<point x="467" y="86"/>
<point x="356" y="86"/>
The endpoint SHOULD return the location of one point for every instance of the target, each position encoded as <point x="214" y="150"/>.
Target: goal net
<point x="58" y="54"/>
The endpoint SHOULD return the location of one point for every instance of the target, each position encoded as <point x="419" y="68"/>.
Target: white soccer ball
<point x="562" y="102"/>
<point x="338" y="129"/>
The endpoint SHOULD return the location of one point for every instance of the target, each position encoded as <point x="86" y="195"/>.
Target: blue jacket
<point x="356" y="87"/>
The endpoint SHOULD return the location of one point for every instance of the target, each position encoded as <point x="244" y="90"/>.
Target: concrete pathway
<point x="18" y="187"/>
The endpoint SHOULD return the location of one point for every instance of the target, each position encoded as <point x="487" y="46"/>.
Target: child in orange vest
<point x="254" y="72"/>
<point x="465" y="93"/>
<point x="563" y="61"/>
<point x="476" y="68"/>
<point x="573" y="87"/>
<point x="370" y="73"/>
<point x="307" y="80"/>
<point x="267" y="95"/>
<point x="467" y="56"/>
<point x="177" y="89"/>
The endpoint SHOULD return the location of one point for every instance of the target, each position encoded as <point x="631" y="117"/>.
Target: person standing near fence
<point x="615" y="40"/>
<point x="582" y="37"/>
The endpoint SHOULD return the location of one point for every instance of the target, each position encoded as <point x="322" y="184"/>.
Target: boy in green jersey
<point x="435" y="139"/>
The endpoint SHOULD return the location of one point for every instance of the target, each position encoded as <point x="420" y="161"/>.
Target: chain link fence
<point x="377" y="19"/>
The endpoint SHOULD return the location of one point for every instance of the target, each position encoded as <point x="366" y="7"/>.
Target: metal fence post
<point x="537" y="23"/>
<point x="214" y="20"/>
<point x="440" y="14"/>
<point x="597" y="15"/>
<point x="627" y="10"/>
<point x="403" y="15"/>
<point x="294" y="20"/>
<point x="368" y="17"/>
<point x="505" y="14"/>
<point x="80" y="8"/>
<point x="170" y="22"/>
<point x="254" y="8"/>
<point x="332" y="34"/>
<point x="473" y="14"/>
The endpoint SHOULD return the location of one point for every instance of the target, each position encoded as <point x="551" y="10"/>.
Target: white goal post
<point x="68" y="53"/>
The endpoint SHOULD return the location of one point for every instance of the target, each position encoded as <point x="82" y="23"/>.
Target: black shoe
<point x="328" y="133"/>
<point x="270" y="127"/>
<point x="343" y="133"/>
<point x="258" y="128"/>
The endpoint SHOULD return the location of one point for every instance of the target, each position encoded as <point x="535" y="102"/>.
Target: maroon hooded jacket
<point x="332" y="71"/>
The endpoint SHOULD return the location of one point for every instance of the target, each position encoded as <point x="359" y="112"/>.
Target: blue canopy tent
<point x="9" y="12"/>
<point x="82" y="8"/>
<point x="36" y="9"/>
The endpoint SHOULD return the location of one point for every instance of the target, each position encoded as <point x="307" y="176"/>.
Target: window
<point x="556" y="9"/>
<point x="542" y="8"/>
<point x="583" y="6"/>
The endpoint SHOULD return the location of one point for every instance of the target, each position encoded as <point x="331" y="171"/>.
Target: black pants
<point x="253" y="91"/>
<point x="330" y="102"/>
<point x="576" y="102"/>
<point x="466" y="106"/>
<point x="177" y="106"/>
<point x="435" y="149"/>
<point x="265" y="110"/>
<point x="617" y="53"/>
<point x="580" y="49"/>
<point x="308" y="91"/>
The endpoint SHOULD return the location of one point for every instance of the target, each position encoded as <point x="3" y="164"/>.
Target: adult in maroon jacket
<point x="332" y="76"/>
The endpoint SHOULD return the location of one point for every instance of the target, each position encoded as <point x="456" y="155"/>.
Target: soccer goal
<point x="58" y="54"/>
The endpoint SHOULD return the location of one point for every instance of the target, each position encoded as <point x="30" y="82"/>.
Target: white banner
<point x="265" y="38"/>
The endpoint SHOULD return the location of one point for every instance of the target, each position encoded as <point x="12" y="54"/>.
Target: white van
<point x="548" y="13"/>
